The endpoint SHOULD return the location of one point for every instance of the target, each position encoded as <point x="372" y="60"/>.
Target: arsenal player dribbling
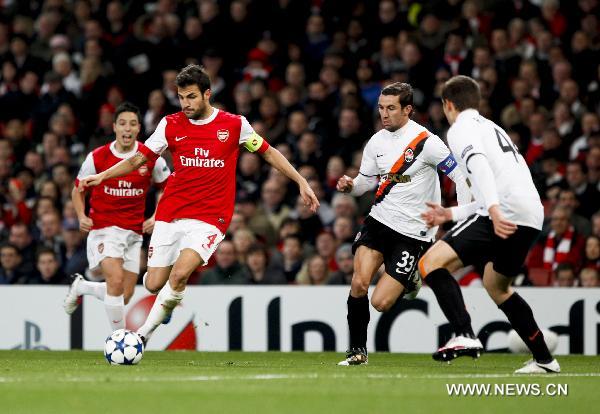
<point x="198" y="202"/>
<point x="116" y="219"/>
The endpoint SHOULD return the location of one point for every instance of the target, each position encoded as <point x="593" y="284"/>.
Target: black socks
<point x="449" y="296"/>
<point x="358" y="320"/>
<point x="521" y="318"/>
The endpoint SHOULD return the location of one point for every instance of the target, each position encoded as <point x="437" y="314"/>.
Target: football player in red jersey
<point x="116" y="218"/>
<point x="198" y="202"/>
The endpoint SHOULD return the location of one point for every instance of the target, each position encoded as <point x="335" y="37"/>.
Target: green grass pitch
<point x="273" y="382"/>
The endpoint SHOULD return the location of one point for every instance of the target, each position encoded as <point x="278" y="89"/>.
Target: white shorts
<point x="117" y="243"/>
<point x="168" y="239"/>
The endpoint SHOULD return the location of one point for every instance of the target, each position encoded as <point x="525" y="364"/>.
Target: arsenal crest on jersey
<point x="222" y="135"/>
<point x="101" y="248"/>
<point x="143" y="170"/>
<point x="409" y="155"/>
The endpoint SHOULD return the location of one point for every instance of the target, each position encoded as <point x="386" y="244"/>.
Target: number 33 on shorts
<point x="406" y="263"/>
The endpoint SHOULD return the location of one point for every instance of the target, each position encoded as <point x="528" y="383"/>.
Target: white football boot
<point x="534" y="367"/>
<point x="459" y="346"/>
<point x="71" y="301"/>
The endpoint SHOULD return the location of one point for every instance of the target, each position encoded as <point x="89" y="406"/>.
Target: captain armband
<point x="256" y="143"/>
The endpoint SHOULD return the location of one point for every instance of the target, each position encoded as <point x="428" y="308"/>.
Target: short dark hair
<point x="128" y="107"/>
<point x="10" y="246"/>
<point x="293" y="237"/>
<point x="45" y="250"/>
<point x="402" y="90"/>
<point x="564" y="267"/>
<point x="582" y="166"/>
<point x="463" y="92"/>
<point x="193" y="75"/>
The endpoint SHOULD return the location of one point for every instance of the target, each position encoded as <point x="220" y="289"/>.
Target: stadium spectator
<point x="260" y="270"/>
<point x="227" y="270"/>
<point x="345" y="262"/>
<point x="49" y="271"/>
<point x="314" y="272"/>
<point x="75" y="255"/>
<point x="272" y="197"/>
<point x="591" y="258"/>
<point x="10" y="260"/>
<point x="564" y="275"/>
<point x="243" y="239"/>
<point x="20" y="237"/>
<point x="292" y="257"/>
<point x="587" y="195"/>
<point x="589" y="278"/>
<point x="562" y="244"/>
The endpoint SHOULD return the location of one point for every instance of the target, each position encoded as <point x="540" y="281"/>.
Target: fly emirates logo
<point x="123" y="190"/>
<point x="201" y="160"/>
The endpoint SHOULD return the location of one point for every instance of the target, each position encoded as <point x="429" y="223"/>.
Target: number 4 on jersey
<point x="509" y="147"/>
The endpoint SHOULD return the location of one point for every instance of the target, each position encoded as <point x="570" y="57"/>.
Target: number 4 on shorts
<point x="211" y="241"/>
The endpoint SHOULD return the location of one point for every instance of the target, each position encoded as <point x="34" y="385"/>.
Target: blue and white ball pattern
<point x="123" y="347"/>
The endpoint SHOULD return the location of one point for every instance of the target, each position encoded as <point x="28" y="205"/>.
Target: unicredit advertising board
<point x="289" y="318"/>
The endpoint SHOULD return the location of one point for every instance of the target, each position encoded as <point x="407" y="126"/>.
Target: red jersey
<point x="120" y="201"/>
<point x="205" y="153"/>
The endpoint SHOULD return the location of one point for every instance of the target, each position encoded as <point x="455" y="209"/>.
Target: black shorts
<point x="475" y="243"/>
<point x="400" y="253"/>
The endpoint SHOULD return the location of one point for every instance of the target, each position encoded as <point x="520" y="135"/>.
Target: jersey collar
<point x="401" y="131"/>
<point x="205" y="120"/>
<point x="123" y="155"/>
<point x="467" y="113"/>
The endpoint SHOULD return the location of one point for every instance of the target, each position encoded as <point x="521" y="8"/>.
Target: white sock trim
<point x="114" y="300"/>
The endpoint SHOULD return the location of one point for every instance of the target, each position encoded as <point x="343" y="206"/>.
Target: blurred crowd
<point x="307" y="75"/>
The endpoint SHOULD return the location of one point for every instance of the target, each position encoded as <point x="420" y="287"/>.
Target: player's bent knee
<point x="381" y="305"/>
<point x="359" y="286"/>
<point x="152" y="287"/>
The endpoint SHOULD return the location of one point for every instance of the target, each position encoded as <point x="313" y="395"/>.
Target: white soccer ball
<point x="517" y="346"/>
<point x="123" y="347"/>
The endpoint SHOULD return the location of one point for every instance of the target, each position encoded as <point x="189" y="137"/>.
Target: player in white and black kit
<point x="404" y="158"/>
<point x="495" y="231"/>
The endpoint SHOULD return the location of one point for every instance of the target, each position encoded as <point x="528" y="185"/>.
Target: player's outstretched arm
<point x="124" y="167"/>
<point x="277" y="160"/>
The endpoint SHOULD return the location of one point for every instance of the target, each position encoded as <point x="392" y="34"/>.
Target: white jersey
<point x="472" y="136"/>
<point x="406" y="162"/>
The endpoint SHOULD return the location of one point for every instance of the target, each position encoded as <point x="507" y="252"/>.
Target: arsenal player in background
<point x="198" y="202"/>
<point x="116" y="218"/>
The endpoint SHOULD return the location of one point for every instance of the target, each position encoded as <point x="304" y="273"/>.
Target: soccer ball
<point x="517" y="346"/>
<point x="123" y="347"/>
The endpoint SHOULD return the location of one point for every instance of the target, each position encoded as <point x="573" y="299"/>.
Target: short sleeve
<point x="157" y="142"/>
<point x="250" y="139"/>
<point x="368" y="164"/>
<point x="87" y="168"/>
<point x="161" y="171"/>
